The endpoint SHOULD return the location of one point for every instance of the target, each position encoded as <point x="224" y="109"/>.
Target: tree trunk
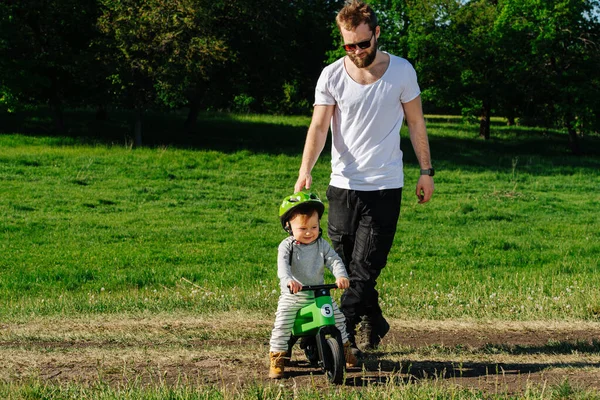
<point x="511" y="120"/>
<point x="137" y="129"/>
<point x="57" y="112"/>
<point x="56" y="103"/>
<point x="484" y="122"/>
<point x="573" y="137"/>
<point x="190" y="122"/>
<point x="101" y="113"/>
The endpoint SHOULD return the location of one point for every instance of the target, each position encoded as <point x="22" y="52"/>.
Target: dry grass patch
<point x="230" y="350"/>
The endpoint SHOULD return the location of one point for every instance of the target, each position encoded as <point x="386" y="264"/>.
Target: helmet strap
<point x="288" y="228"/>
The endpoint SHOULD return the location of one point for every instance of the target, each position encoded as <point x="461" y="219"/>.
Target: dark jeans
<point x="361" y="227"/>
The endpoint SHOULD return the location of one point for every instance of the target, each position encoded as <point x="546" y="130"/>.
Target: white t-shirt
<point x="366" y="124"/>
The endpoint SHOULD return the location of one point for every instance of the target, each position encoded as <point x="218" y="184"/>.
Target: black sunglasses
<point x="363" y="45"/>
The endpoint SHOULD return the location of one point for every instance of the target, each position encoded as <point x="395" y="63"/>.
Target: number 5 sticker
<point x="327" y="310"/>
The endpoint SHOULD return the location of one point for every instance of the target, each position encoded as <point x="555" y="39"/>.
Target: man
<point x="365" y="96"/>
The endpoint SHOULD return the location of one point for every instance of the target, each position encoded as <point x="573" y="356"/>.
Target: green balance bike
<point x="320" y="339"/>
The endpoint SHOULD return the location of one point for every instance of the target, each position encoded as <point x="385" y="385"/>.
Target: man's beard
<point x="367" y="60"/>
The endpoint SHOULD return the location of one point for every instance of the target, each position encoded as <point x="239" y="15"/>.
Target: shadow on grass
<point x="551" y="348"/>
<point x="406" y="370"/>
<point x="377" y="369"/>
<point x="214" y="131"/>
<point x="508" y="152"/>
<point x="409" y="371"/>
<point x="453" y="143"/>
<point x="385" y="372"/>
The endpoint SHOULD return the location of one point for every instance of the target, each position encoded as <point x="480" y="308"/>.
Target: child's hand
<point x="342" y="283"/>
<point x="294" y="286"/>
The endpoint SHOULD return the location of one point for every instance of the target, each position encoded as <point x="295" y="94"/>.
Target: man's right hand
<point x="304" y="181"/>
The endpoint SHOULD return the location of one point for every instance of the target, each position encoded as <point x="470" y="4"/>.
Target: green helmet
<point x="299" y="199"/>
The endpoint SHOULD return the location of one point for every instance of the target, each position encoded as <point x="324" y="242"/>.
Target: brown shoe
<point x="351" y="360"/>
<point x="277" y="364"/>
<point x="371" y="331"/>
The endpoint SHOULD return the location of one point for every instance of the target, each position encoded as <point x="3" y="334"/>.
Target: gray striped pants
<point x="287" y="307"/>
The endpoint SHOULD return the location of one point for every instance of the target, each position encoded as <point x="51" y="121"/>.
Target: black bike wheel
<point x="335" y="352"/>
<point x="312" y="354"/>
<point x="309" y="345"/>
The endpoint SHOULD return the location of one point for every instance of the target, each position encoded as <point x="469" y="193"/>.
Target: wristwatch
<point x="429" y="171"/>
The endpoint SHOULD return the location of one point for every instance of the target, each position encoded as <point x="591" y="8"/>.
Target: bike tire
<point x="311" y="351"/>
<point x="335" y="373"/>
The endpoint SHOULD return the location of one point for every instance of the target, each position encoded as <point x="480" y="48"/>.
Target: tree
<point x="277" y="49"/>
<point x="431" y="46"/>
<point x="45" y="56"/>
<point x="394" y="21"/>
<point x="158" y="49"/>
<point x="457" y="54"/>
<point x="555" y="47"/>
<point x="534" y="59"/>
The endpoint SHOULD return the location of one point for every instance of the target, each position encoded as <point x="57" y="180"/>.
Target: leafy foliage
<point x="531" y="61"/>
<point x="44" y="54"/>
<point x="159" y="48"/>
<point x="535" y="59"/>
<point x="555" y="46"/>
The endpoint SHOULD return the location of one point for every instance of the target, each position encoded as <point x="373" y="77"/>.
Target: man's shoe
<point x="371" y="332"/>
<point x="364" y="335"/>
<point x="382" y="327"/>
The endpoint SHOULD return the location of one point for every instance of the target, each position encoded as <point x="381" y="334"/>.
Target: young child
<point x="300" y="261"/>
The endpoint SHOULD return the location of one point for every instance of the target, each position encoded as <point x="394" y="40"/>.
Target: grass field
<point x="90" y="226"/>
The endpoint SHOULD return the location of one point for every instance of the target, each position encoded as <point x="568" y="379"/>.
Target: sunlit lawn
<point x="87" y="226"/>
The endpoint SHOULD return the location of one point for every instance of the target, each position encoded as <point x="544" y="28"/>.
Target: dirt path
<point x="231" y="350"/>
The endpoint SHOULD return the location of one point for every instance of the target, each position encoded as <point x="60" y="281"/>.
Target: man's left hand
<point x="425" y="188"/>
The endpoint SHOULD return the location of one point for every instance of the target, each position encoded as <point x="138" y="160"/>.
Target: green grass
<point x="90" y="225"/>
<point x="392" y="390"/>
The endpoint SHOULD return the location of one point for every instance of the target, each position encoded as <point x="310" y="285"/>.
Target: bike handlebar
<point x="316" y="287"/>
